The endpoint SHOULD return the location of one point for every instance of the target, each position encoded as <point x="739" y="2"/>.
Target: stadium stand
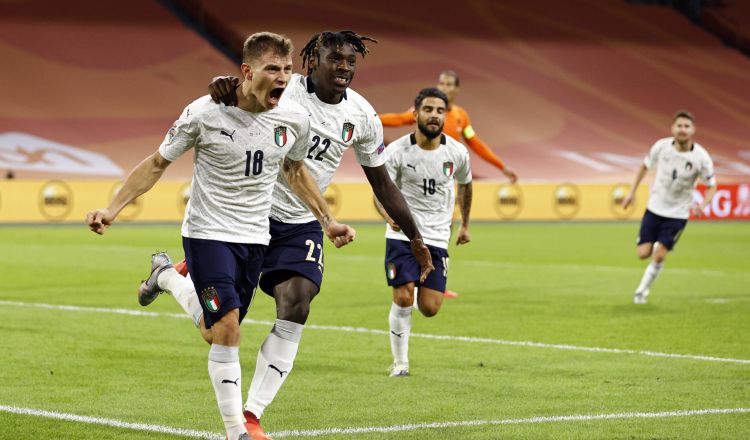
<point x="562" y="91"/>
<point x="730" y="20"/>
<point x="90" y="88"/>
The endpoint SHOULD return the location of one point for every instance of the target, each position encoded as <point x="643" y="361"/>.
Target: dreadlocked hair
<point x="323" y="39"/>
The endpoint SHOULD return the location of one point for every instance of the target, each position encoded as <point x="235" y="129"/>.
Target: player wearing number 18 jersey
<point x="424" y="164"/>
<point x="679" y="163"/>
<point x="239" y="151"/>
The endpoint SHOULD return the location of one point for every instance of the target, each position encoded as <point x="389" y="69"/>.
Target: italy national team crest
<point x="347" y="132"/>
<point x="210" y="299"/>
<point x="448" y="168"/>
<point x="280" y="135"/>
<point x="391" y="271"/>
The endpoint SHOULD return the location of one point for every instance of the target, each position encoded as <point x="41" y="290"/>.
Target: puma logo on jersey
<point x="281" y="373"/>
<point x="408" y="165"/>
<point x="231" y="381"/>
<point x="398" y="335"/>
<point x="229" y="135"/>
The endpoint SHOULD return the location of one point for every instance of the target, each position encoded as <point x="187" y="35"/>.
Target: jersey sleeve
<point x="369" y="146"/>
<point x="463" y="171"/>
<point x="653" y="156"/>
<point x="302" y="138"/>
<point x="182" y="136"/>
<point x="398" y="119"/>
<point x="707" y="172"/>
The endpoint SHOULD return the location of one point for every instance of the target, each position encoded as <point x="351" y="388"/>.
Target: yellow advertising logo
<point x="566" y="200"/>
<point x="509" y="201"/>
<point x="617" y="195"/>
<point x="183" y="196"/>
<point x="131" y="210"/>
<point x="55" y="200"/>
<point x="332" y="196"/>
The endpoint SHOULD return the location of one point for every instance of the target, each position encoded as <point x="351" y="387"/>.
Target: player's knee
<point x="227" y="330"/>
<point x="403" y="296"/>
<point x="429" y="310"/>
<point x="644" y="252"/>
<point x="293" y="300"/>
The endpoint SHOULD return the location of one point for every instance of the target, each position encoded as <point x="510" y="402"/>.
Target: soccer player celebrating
<point x="457" y="123"/>
<point x="679" y="162"/>
<point x="424" y="165"/>
<point x="240" y="152"/>
<point x="293" y="268"/>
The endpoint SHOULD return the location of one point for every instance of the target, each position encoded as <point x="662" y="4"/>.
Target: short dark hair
<point x="261" y="42"/>
<point x="684" y="114"/>
<point x="451" y="73"/>
<point x="429" y="92"/>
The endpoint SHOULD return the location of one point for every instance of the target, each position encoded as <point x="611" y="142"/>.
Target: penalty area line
<point x="471" y="339"/>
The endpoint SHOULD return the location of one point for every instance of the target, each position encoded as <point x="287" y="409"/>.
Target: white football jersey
<point x="333" y="128"/>
<point x="237" y="159"/>
<point x="676" y="176"/>
<point x="426" y="179"/>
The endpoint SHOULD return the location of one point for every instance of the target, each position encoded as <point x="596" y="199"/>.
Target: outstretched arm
<point x="465" y="194"/>
<point x="395" y="206"/>
<point x="140" y="180"/>
<point x="638" y="178"/>
<point x="486" y="153"/>
<point x="302" y="183"/>
<point x="398" y="119"/>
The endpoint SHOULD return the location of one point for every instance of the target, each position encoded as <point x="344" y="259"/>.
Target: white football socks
<point x="275" y="361"/>
<point x="399" y="321"/>
<point x="183" y="292"/>
<point x="226" y="378"/>
<point x="649" y="276"/>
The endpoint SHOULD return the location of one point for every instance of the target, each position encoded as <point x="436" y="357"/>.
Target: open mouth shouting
<point x="275" y="95"/>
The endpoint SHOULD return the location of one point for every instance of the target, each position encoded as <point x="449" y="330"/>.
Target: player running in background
<point x="340" y="118"/>
<point x="239" y="155"/>
<point x="457" y="123"/>
<point x="679" y="162"/>
<point x="425" y="165"/>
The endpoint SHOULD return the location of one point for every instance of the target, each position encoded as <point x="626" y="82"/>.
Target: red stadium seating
<point x="574" y="90"/>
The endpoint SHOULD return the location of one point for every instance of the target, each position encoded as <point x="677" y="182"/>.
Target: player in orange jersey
<point x="457" y="124"/>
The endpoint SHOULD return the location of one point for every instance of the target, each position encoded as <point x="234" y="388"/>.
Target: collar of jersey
<point x="413" y="138"/>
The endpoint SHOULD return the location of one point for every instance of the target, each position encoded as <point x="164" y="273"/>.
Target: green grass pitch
<point x="553" y="283"/>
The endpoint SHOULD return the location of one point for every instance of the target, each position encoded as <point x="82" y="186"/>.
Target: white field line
<point x="471" y="339"/>
<point x="363" y="430"/>
<point x="111" y="422"/>
<point x="530" y="420"/>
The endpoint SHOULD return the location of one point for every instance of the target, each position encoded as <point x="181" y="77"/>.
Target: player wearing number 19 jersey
<point x="679" y="163"/>
<point x="424" y="164"/>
